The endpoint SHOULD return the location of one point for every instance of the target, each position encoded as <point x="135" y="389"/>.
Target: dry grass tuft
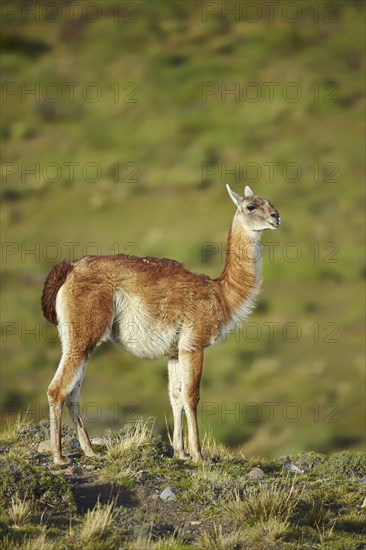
<point x="206" y="473"/>
<point x="97" y="525"/>
<point x="263" y="503"/>
<point x="135" y="436"/>
<point x="20" y="512"/>
<point x="117" y="474"/>
<point x="170" y="542"/>
<point x="144" y="539"/>
<point x="209" y="480"/>
<point x="220" y="541"/>
<point x="39" y="543"/>
<point x="264" y="534"/>
<point x="319" y="516"/>
<point x="13" y="429"/>
<point x="140" y="541"/>
<point x="212" y="450"/>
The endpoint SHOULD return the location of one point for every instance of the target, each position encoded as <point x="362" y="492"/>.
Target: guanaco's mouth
<point x="274" y="224"/>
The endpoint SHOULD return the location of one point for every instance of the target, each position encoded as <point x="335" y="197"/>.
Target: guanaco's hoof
<point x="92" y="454"/>
<point x="197" y="458"/>
<point x="181" y="455"/>
<point x="61" y="460"/>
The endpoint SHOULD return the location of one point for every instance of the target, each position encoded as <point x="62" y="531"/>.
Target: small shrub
<point x="19" y="478"/>
<point x="4" y="523"/>
<point x="348" y="463"/>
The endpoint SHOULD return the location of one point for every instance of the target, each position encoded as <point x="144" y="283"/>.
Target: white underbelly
<point x="138" y="332"/>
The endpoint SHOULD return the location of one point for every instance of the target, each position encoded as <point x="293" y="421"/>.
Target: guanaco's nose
<point x="276" y="217"/>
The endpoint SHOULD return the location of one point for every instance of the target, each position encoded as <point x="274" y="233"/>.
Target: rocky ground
<point x="135" y="496"/>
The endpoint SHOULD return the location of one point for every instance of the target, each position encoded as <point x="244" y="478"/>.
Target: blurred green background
<point x="121" y="124"/>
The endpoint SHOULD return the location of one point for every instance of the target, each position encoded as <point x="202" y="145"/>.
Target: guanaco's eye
<point x="251" y="208"/>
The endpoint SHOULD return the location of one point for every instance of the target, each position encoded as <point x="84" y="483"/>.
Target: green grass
<point x="170" y="210"/>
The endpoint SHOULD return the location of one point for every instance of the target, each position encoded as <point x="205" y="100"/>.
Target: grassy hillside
<point x="306" y="500"/>
<point x="126" y="146"/>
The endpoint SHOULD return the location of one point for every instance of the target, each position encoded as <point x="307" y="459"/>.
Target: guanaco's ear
<point x="237" y="199"/>
<point x="248" y="192"/>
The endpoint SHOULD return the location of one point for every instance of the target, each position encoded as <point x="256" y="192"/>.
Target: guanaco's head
<point x="255" y="213"/>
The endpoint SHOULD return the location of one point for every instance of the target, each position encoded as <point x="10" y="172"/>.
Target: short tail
<point x="54" y="281"/>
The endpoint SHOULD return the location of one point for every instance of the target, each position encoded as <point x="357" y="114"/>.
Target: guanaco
<point x="174" y="312"/>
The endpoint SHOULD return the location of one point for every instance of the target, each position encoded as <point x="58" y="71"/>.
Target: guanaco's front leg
<point x="175" y="396"/>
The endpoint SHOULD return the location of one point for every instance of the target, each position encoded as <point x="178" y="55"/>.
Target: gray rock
<point x="44" y="447"/>
<point x="363" y="480"/>
<point x="256" y="473"/>
<point x="292" y="468"/>
<point x="168" y="494"/>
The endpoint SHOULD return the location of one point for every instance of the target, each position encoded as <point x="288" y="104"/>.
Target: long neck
<point x="240" y="278"/>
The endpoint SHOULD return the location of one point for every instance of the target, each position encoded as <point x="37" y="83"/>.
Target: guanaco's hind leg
<point x="176" y="401"/>
<point x="190" y="369"/>
<point x="73" y="404"/>
<point x="68" y="374"/>
<point x="84" y="319"/>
